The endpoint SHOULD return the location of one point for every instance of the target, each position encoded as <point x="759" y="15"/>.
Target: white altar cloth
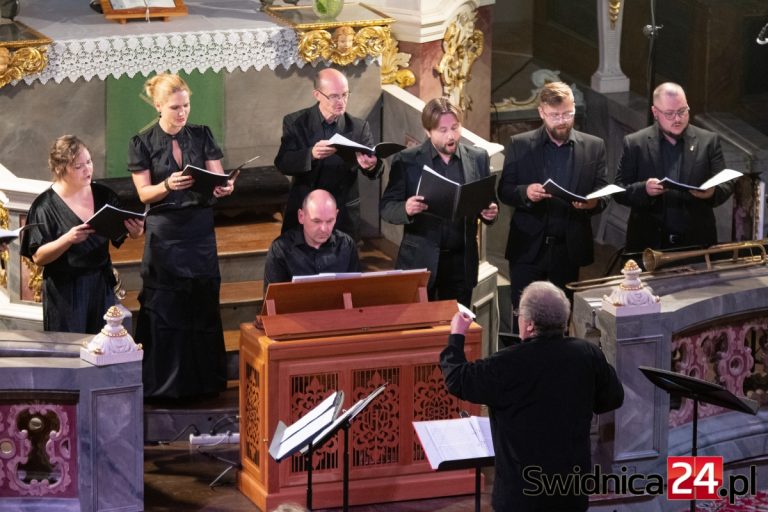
<point x="216" y="35"/>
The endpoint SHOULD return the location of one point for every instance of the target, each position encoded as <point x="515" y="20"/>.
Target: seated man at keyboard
<point x="314" y="247"/>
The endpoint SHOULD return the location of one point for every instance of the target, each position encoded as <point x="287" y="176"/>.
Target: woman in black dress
<point x="77" y="271"/>
<point x="179" y="322"/>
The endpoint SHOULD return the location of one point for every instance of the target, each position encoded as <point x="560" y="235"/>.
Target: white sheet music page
<point x="312" y="415"/>
<point x="456" y="439"/>
<point x="291" y="443"/>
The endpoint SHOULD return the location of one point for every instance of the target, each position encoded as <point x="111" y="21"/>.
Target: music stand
<point x="463" y="462"/>
<point x="288" y="440"/>
<point x="343" y="421"/>
<point x="477" y="464"/>
<point x="699" y="391"/>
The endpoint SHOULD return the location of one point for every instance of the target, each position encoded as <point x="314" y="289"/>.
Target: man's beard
<point x="445" y="150"/>
<point x="561" y="134"/>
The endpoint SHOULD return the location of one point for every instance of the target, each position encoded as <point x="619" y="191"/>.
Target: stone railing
<point x="712" y="326"/>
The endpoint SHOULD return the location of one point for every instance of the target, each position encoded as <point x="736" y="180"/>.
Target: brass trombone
<point x="653" y="260"/>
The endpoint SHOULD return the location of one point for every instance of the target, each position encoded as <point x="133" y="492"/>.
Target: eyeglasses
<point x="335" y="97"/>
<point x="557" y="116"/>
<point x="671" y="115"/>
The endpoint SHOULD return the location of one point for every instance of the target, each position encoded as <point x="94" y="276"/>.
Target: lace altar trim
<point x="187" y="51"/>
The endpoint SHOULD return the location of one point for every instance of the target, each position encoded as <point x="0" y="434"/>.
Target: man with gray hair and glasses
<point x="541" y="395"/>
<point x="307" y="156"/>
<point x="662" y="218"/>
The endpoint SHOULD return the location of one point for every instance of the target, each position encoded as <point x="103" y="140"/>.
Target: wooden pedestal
<point x="281" y="380"/>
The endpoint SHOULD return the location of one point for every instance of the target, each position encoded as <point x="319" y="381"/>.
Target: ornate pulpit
<point x="351" y="334"/>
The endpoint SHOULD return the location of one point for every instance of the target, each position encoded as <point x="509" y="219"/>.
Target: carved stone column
<point x="421" y="28"/>
<point x="609" y="77"/>
<point x="18" y="307"/>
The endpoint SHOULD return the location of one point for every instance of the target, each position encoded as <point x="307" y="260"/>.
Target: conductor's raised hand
<point x="414" y="205"/>
<point x="322" y="149"/>
<point x="460" y="323"/>
<point x="78" y="234"/>
<point x="536" y="193"/>
<point x="653" y="187"/>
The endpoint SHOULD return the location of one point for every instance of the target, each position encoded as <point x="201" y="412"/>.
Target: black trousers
<point x="451" y="281"/>
<point x="552" y="265"/>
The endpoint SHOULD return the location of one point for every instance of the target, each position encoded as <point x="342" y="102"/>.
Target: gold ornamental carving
<point x="614" y="7"/>
<point x="24" y="61"/>
<point x="5" y="223"/>
<point x="343" y="45"/>
<point x="35" y="282"/>
<point x="356" y="33"/>
<point x="24" y="52"/>
<point x="462" y="46"/>
<point x="392" y="61"/>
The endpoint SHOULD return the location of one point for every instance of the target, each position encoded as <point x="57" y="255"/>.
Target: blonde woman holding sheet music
<point x="179" y="321"/>
<point x="77" y="270"/>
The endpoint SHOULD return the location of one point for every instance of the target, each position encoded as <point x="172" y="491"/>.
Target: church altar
<point x="232" y="35"/>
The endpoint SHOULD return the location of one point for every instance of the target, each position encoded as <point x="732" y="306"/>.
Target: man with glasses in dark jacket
<point x="662" y="218"/>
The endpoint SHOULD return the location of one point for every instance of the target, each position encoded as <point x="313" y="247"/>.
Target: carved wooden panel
<point x="252" y="418"/>
<point x="375" y="434"/>
<point x="385" y="462"/>
<point x="306" y="392"/>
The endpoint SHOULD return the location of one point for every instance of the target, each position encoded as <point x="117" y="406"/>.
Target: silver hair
<point x="546" y="306"/>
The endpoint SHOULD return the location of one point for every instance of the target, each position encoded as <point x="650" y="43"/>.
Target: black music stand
<point x="288" y="440"/>
<point x="699" y="391"/>
<point x="475" y="463"/>
<point x="343" y="421"/>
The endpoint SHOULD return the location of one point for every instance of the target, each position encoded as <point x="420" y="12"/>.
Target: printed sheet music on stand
<point x="461" y="443"/>
<point x="288" y="440"/>
<point x="344" y="421"/>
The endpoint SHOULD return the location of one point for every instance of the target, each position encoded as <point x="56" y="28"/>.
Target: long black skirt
<point x="179" y="323"/>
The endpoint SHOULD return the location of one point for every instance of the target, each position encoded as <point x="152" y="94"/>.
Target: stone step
<point x="242" y="249"/>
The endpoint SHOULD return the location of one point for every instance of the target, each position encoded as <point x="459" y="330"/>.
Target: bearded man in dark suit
<point x="448" y="249"/>
<point x="549" y="238"/>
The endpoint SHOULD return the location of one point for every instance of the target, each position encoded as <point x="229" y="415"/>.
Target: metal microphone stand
<point x="651" y="32"/>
